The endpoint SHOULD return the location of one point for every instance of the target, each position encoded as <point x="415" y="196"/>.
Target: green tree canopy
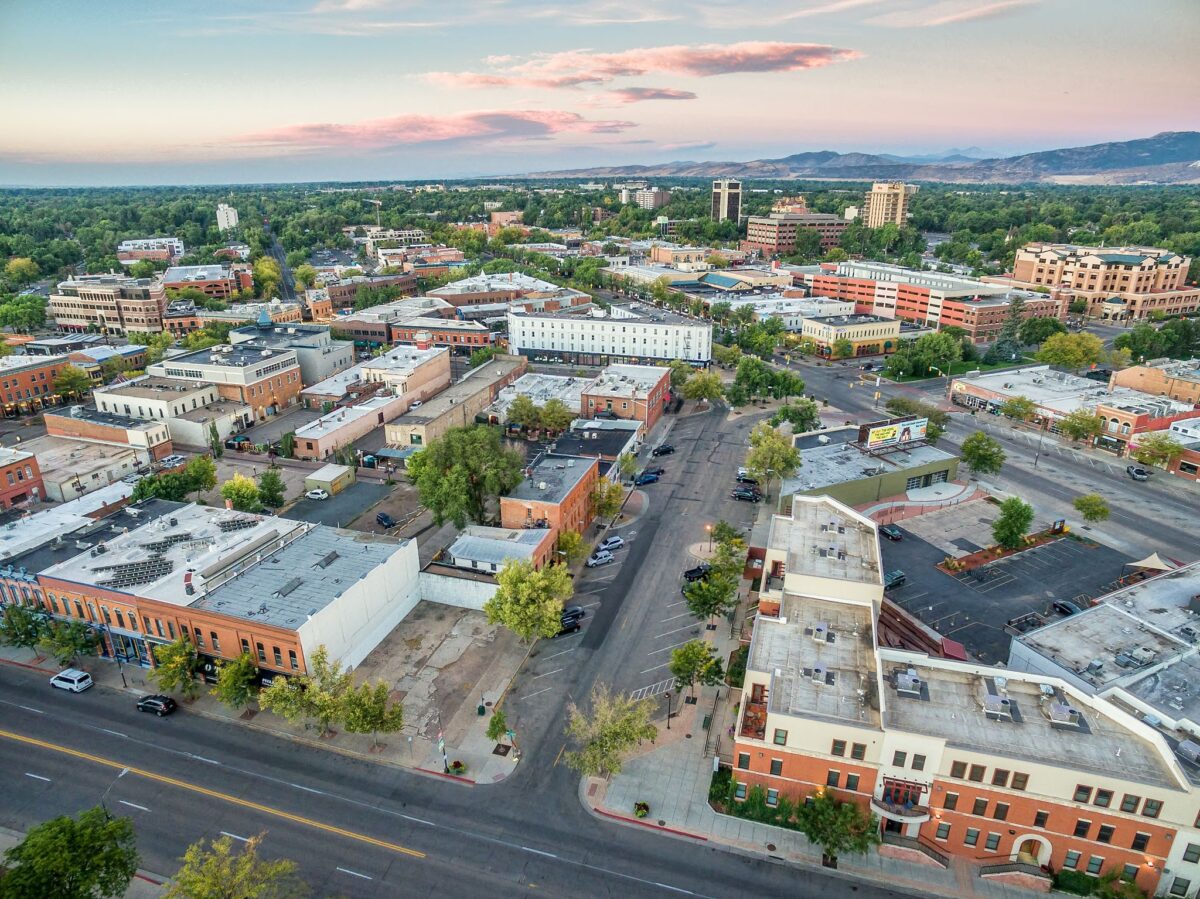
<point x="1074" y="351"/>
<point x="841" y="348"/>
<point x="680" y="372"/>
<point x="72" y="381"/>
<point x="1091" y="506"/>
<point x="695" y="662"/>
<point x="523" y="412"/>
<point x="837" y="827"/>
<point x="1080" y="424"/>
<point x="711" y="596"/>
<point x="21" y="626"/>
<point x="218" y="872"/>
<point x="615" y="725"/>
<point x="242" y="492"/>
<point x="66" y="641"/>
<point x="1034" y="331"/>
<point x="369" y="710"/>
<point x="235" y="681"/>
<point x="175" y="667"/>
<point x="555" y="416"/>
<point x="703" y="385"/>
<point x="1156" y="448"/>
<point x="527" y="601"/>
<point x="607" y="498"/>
<point x="938" y="419"/>
<point x="771" y="454"/>
<point x="460" y="474"/>
<point x="571" y="544"/>
<point x="804" y="415"/>
<point x="319" y="693"/>
<point x="271" y="490"/>
<point x="983" y="453"/>
<point x="1020" y="408"/>
<point x="93" y="856"/>
<point x="1010" y="528"/>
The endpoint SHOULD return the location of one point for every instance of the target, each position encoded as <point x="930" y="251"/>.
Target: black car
<point x="573" y="613"/>
<point x="746" y="479"/>
<point x="698" y="573"/>
<point x="655" y="471"/>
<point x="158" y="704"/>
<point x="745" y="494"/>
<point x="663" y="449"/>
<point x="386" y="521"/>
<point x="1066" y="607"/>
<point x="891" y="532"/>
<point x="570" y="626"/>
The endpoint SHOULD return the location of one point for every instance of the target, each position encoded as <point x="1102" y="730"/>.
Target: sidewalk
<point x="143" y="886"/>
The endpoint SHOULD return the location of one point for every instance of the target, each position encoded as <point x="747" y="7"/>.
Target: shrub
<point x="457" y="767"/>
<point x="718" y="790"/>
<point x="641" y="809"/>
<point x="736" y="674"/>
<point x="1074" y="882"/>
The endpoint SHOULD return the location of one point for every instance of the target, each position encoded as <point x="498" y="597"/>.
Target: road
<point x="287" y="284"/>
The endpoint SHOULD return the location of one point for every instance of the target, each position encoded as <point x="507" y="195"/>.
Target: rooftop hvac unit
<point x="908" y="684"/>
<point x="997" y="708"/>
<point x="1063" y="715"/>
<point x="818" y="632"/>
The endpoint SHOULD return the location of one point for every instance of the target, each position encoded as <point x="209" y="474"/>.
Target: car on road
<point x="891" y="532"/>
<point x="158" y="704"/>
<point x="663" y="449"/>
<point x="699" y="573"/>
<point x="1065" y="607"/>
<point x="893" y="579"/>
<point x="317" y="493"/>
<point x="72" y="680"/>
<point x="1137" y="472"/>
<point x="743" y="472"/>
<point x="645" y="478"/>
<point x="745" y="495"/>
<point x="600" y="557"/>
<point x="385" y="521"/>
<point x="746" y="479"/>
<point x="611" y="543"/>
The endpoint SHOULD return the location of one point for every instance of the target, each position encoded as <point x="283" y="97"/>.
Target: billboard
<point x="896" y="433"/>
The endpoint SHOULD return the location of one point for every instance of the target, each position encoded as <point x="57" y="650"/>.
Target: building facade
<point x="150" y="440"/>
<point x="267" y="381"/>
<point x="556" y="494"/>
<point x="217" y="281"/>
<point x="775" y="234"/>
<point x="317" y="353"/>
<point x="111" y="304"/>
<point x="633" y="333"/>
<point x="227" y="217"/>
<point x="20" y="478"/>
<point x="1177" y="378"/>
<point x="726" y="200"/>
<point x="27" y="382"/>
<point x="156" y="249"/>
<point x="887" y="204"/>
<point x="633" y="392"/>
<point x="869" y="335"/>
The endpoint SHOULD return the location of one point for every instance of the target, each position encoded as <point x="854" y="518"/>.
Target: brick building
<point x="27" y="382"/>
<point x="150" y="440"/>
<point x="1177" y="378"/>
<point x="458" y="335"/>
<point x="343" y="293"/>
<point x="556" y="494"/>
<point x="217" y="281"/>
<point x="775" y="234"/>
<point x="635" y="392"/>
<point x="20" y="477"/>
<point x="156" y="249"/>
<point x="267" y="381"/>
<point x="112" y="304"/>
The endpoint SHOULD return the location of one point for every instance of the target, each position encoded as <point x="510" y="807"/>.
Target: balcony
<point x="905" y="813"/>
<point x="754" y="721"/>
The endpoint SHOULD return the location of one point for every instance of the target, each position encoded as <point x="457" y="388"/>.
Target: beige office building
<point x="887" y="203"/>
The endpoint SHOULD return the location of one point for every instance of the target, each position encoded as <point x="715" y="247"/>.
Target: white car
<point x="317" y="493"/>
<point x="72" y="680"/>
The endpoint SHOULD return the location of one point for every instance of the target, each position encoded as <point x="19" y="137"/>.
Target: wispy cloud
<point x="883" y="13"/>
<point x="575" y="68"/>
<point x="414" y="130"/>
<point x="948" y="12"/>
<point x="688" y="145"/>
<point x="641" y="94"/>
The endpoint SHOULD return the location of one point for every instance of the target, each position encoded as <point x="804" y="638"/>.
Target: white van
<point x="72" y="680"/>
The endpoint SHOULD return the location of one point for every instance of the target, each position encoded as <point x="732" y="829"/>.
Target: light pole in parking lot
<point x="708" y="527"/>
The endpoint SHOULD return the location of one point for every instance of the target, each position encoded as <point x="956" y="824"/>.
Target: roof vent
<point x="908" y="684"/>
<point x="1063" y="716"/>
<point x="997" y="708"/>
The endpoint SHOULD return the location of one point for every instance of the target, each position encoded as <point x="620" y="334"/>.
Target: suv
<point x="600" y="557"/>
<point x="72" y="680"/>
<point x="699" y="573"/>
<point x="573" y="613"/>
<point x="746" y="479"/>
<point x="1065" y="607"/>
<point x="895" y="578"/>
<point x="385" y="521"/>
<point x="1137" y="472"/>
<point x="745" y="494"/>
<point x="611" y="543"/>
<point x="158" y="704"/>
<point x="663" y="449"/>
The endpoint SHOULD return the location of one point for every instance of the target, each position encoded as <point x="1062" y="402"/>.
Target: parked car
<point x="72" y="680"/>
<point x="743" y="472"/>
<point x="895" y="578"/>
<point x="172" y="461"/>
<point x="573" y="613"/>
<point x="698" y="573"/>
<point x="569" y="626"/>
<point x="600" y="557"/>
<point x="158" y="704"/>
<point x="663" y="449"/>
<point x="317" y="493"/>
<point x="657" y="472"/>
<point x="645" y="478"/>
<point x="1065" y="607"/>
<point x="746" y="479"/>
<point x="745" y="494"/>
<point x="1137" y="472"/>
<point x="891" y="532"/>
<point x="611" y="543"/>
<point x="385" y="521"/>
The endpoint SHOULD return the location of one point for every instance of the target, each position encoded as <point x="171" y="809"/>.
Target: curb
<point x="625" y="819"/>
<point x="17" y="664"/>
<point x="445" y="776"/>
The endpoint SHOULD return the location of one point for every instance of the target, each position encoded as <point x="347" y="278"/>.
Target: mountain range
<point x="1172" y="157"/>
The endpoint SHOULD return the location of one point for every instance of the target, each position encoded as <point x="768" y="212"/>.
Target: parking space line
<point x="548" y="673"/>
<point x="677" y="630"/>
<point x="655" y="652"/>
<point x="655" y="668"/>
<point x="538" y="693"/>
<point x="673" y="617"/>
<point x="557" y="654"/>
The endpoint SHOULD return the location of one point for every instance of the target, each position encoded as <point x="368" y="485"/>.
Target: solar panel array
<point x="236" y="524"/>
<point x="129" y="574"/>
<point x="159" y="547"/>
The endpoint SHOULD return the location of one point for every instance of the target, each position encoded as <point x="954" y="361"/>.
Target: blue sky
<point x="105" y="92"/>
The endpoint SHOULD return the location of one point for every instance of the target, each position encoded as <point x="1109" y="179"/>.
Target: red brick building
<point x="27" y="382"/>
<point x="216" y="281"/>
<point x="20" y="477"/>
<point x="556" y="494"/>
<point x="775" y="234"/>
<point x="342" y="294"/>
<point x="638" y="392"/>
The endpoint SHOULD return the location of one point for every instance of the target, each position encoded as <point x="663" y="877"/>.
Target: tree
<point x="369" y="709"/>
<point x="235" y="681"/>
<point x="704" y="385"/>
<point x="711" y="596"/>
<point x="982" y="453"/>
<point x="220" y="873"/>
<point x="1156" y="448"/>
<point x="726" y="356"/>
<point x="271" y="489"/>
<point x="837" y="827"/>
<point x="21" y="270"/>
<point x="460" y="474"/>
<point x="1020" y="408"/>
<point x="523" y="413"/>
<point x="1072" y="351"/>
<point x="1034" y="331"/>
<point x="22" y="627"/>
<point x="266" y="277"/>
<point x="555" y="416"/>
<point x="1081" y="424"/>
<point x="804" y="415"/>
<point x="771" y="454"/>
<point x="175" y="667"/>
<point x="841" y="348"/>
<point x="607" y="499"/>
<point x="1010" y="528"/>
<point x="1011" y="329"/>
<point x="214" y="441"/>
<point x="65" y="641"/>
<point x="317" y="694"/>
<point x="242" y="492"/>
<point x="72" y="381"/>
<point x="725" y="533"/>
<point x="201" y="473"/>
<point x="627" y="464"/>
<point x="680" y="372"/>
<point x="305" y="275"/>
<point x="527" y="601"/>
<point x="93" y="856"/>
<point x="156" y="344"/>
<point x="571" y="545"/>
<point x="497" y="726"/>
<point x="287" y="444"/>
<point x="482" y="355"/>
<point x="696" y="661"/>
<point x="616" y="725"/>
<point x="1091" y="506"/>
<point x="1077" y="307"/>
<point x="938" y="419"/>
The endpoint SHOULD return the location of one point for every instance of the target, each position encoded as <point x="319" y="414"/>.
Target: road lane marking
<point x="306" y="789"/>
<point x="559" y="756"/>
<point x="212" y="794"/>
<point x="32" y="709"/>
<point x="355" y="874"/>
<point x="37" y="777"/>
<point x="234" y="836"/>
<point x="539" y="852"/>
<point x="673" y="617"/>
<point x="201" y="758"/>
<point x="115" y="733"/>
<point x="133" y="805"/>
<point x="548" y="673"/>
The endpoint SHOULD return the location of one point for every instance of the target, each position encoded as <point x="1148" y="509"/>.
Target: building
<point x="112" y="304"/>
<point x="504" y="219"/>
<point x="217" y="281"/>
<point x="1187" y="432"/>
<point x="869" y="335"/>
<point x="461" y="337"/>
<point x="682" y="258"/>
<point x="190" y="409"/>
<point x="486" y="549"/>
<point x="406" y="371"/>
<point x="343" y="293"/>
<point x="649" y="198"/>
<point x="51" y="525"/>
<point x="267" y="381"/>
<point x="929" y="298"/>
<point x="726" y="200"/>
<point x="239" y="251"/>
<point x="93" y="359"/>
<point x="317" y="353"/>
<point x="792" y="311"/>
<point x="150" y="440"/>
<point x="635" y="392"/>
<point x="540" y="389"/>
<point x="630" y="333"/>
<point x="1118" y="283"/>
<point x="182" y="317"/>
<point x="20" y="478"/>
<point x="556" y="494"/>
<point x="227" y="217"/>
<point x="70" y="468"/>
<point x="373" y="326"/>
<point x="62" y="346"/>
<point x="596" y="439"/>
<point x="27" y="382"/>
<point x="456" y="406"/>
<point x="837" y="463"/>
<point x="495" y="293"/>
<point x="775" y="234"/>
<point x="1177" y="378"/>
<point x="1009" y="770"/>
<point x="234" y="583"/>
<point x="887" y="204"/>
<point x="156" y="249"/>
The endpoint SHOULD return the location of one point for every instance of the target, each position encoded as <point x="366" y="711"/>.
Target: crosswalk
<point x="653" y="690"/>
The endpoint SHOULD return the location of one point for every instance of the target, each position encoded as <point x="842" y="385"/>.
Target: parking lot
<point x="974" y="607"/>
<point x="341" y="509"/>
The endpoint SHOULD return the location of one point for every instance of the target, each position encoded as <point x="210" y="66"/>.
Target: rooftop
<point x="824" y="538"/>
<point x="282" y="335"/>
<point x="108" y="419"/>
<point x="9" y="455"/>
<point x="63" y="458"/>
<point x="551" y="478"/>
<point x="540" y="389"/>
<point x="234" y="355"/>
<point x="342" y="416"/>
<point x="592" y="442"/>
<point x="68" y="341"/>
<point x="507" y="281"/>
<point x="195" y="273"/>
<point x="472" y="382"/>
<point x="494" y="546"/>
<point x="403" y="360"/>
<point x="861" y="318"/>
<point x="841" y="460"/>
<point x="627" y="380"/>
<point x="1164" y="601"/>
<point x="215" y="410"/>
<point x="951" y="285"/>
<point x="153" y="387"/>
<point x="1063" y="393"/>
<point x="398" y="310"/>
<point x="35" y="528"/>
<point x="820" y="655"/>
<point x="1183" y="369"/>
<point x="1173" y="692"/>
<point x="9" y="364"/>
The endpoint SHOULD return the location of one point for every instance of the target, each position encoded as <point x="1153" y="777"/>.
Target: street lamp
<point x="104" y="795"/>
<point x="1041" y="436"/>
<point x="708" y="527"/>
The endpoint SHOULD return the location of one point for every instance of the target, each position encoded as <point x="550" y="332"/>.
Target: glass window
<point x="216" y="642"/>
<point x="992" y="843"/>
<point x="262" y="653"/>
<point x="199" y="638"/>
<point x="739" y="791"/>
<point x="851" y="781"/>
<point x="776" y="766"/>
<point x="1129" y="872"/>
<point x="1129" y="803"/>
<point x="1103" y="798"/>
<point x="899" y="758"/>
<point x="1140" y="841"/>
<point x="832" y="778"/>
<point x="1082" y="826"/>
<point x="278" y="655"/>
<point x="1000" y="813"/>
<point x="772" y="797"/>
<point x="999" y="778"/>
<point x="838" y="748"/>
<point x="980" y="807"/>
<point x="1180" y="886"/>
<point x="780" y="737"/>
<point x="1083" y="794"/>
<point x="958" y="769"/>
<point x="972" y="836"/>
<point x="744" y="760"/>
<point x="1071" y="860"/>
<point x="858" y="751"/>
<point x="1192" y="853"/>
<point x="245" y="646"/>
<point x="951" y="801"/>
<point x="292" y="660"/>
<point x="943" y="831"/>
<point x="1019" y="781"/>
<point x="1152" y="808"/>
<point x="1104" y="834"/>
<point x="1095" y="863"/>
<point x="918" y="763"/>
<point x="1040" y="819"/>
<point x="977" y="772"/>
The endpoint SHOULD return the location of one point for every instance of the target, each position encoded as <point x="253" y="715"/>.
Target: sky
<point x="114" y="92"/>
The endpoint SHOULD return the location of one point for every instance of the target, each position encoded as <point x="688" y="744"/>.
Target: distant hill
<point x="1172" y="157"/>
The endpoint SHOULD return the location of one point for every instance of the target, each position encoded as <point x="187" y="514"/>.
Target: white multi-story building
<point x="629" y="333"/>
<point x="161" y="248"/>
<point x="792" y="311"/>
<point x="227" y="217"/>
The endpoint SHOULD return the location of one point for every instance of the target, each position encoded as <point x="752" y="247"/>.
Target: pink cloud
<point x="410" y="130"/>
<point x="640" y="94"/>
<point x="574" y="68"/>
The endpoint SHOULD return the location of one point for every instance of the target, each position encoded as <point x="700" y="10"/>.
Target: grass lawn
<point x="961" y="368"/>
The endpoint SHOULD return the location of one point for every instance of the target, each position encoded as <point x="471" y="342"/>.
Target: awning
<point x="1152" y="562"/>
